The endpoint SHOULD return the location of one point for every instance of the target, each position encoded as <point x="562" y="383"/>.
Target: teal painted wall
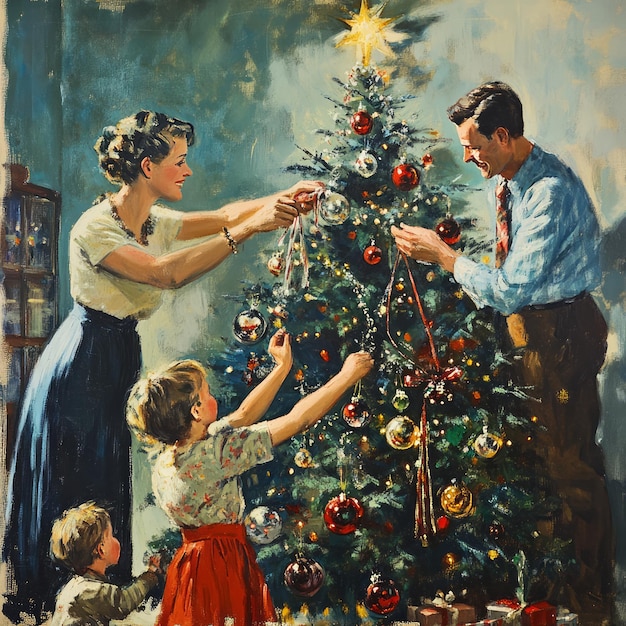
<point x="33" y="91"/>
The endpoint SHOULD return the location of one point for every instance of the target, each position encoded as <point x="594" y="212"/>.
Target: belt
<point x="103" y="319"/>
<point x="214" y="531"/>
<point x="554" y="305"/>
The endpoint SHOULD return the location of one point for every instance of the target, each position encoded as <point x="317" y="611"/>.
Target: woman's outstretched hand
<point x="279" y="210"/>
<point x="305" y="194"/>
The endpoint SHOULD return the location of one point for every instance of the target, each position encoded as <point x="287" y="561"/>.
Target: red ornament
<point x="342" y="514"/>
<point x="382" y="596"/>
<point x="427" y="160"/>
<point x="361" y="122"/>
<point x="303" y="576"/>
<point x="325" y="356"/>
<point x="405" y="177"/>
<point x="372" y="255"/>
<point x="449" y="231"/>
<point x="356" y="413"/>
<point x="276" y="264"/>
<point x="443" y="524"/>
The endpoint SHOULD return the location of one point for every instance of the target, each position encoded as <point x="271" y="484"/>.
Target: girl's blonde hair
<point x="159" y="406"/>
<point x="77" y="534"/>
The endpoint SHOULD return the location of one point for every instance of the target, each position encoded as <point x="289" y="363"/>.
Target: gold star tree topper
<point x="368" y="32"/>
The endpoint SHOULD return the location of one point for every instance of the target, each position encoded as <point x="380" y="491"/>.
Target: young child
<point x="214" y="577"/>
<point x="82" y="540"/>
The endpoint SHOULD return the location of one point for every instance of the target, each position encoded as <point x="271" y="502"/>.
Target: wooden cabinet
<point x="29" y="247"/>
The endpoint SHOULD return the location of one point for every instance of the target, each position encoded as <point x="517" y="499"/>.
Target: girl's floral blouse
<point x="199" y="484"/>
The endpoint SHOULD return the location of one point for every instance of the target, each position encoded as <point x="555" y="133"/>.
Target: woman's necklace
<point x="147" y="228"/>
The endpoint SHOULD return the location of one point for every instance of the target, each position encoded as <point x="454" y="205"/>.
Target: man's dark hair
<point x="491" y="105"/>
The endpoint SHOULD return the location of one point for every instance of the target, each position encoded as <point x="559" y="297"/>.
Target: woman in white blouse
<point x="72" y="441"/>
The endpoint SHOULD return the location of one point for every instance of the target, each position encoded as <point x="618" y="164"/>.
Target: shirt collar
<point x="524" y="175"/>
<point x="95" y="576"/>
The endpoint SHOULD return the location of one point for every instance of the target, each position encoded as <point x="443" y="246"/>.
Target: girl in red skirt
<point x="214" y="576"/>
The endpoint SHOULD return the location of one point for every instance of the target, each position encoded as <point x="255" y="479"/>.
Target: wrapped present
<point x="514" y="614"/>
<point x="509" y="611"/>
<point x="465" y="614"/>
<point x="428" y="615"/>
<point x="539" y="614"/>
<point x="505" y="609"/>
<point x="565" y="618"/>
<point x="455" y="614"/>
<point x="488" y="622"/>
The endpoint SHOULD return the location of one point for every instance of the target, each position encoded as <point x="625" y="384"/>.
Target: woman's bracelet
<point x="231" y="242"/>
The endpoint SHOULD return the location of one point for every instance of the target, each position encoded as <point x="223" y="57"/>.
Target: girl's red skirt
<point x="214" y="577"/>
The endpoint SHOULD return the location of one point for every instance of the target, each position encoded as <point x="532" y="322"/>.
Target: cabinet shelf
<point x="28" y="255"/>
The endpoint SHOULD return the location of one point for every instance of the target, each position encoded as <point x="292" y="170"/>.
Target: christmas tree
<point x="423" y="479"/>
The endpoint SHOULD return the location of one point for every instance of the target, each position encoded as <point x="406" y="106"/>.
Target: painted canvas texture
<point x="413" y="484"/>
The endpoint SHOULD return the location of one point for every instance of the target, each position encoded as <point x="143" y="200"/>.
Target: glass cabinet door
<point x="12" y="246"/>
<point x="12" y="307"/>
<point x="28" y="258"/>
<point x="40" y="307"/>
<point x="39" y="228"/>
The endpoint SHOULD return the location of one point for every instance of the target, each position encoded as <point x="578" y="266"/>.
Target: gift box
<point x="488" y="622"/>
<point x="539" y="614"/>
<point x="455" y="614"/>
<point x="565" y="618"/>
<point x="428" y="615"/>
<point x="502" y="608"/>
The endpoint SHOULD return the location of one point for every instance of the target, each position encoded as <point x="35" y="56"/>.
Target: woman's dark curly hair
<point x="122" y="147"/>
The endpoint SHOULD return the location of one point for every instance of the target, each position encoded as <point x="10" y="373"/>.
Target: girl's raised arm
<point x="314" y="406"/>
<point x="256" y="403"/>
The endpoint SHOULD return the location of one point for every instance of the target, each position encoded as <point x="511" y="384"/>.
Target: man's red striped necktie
<point x="502" y="222"/>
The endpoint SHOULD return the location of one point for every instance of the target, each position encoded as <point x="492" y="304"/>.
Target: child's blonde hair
<point x="77" y="534"/>
<point x="159" y="406"/>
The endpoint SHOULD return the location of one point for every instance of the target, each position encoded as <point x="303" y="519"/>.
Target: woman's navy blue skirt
<point x="72" y="445"/>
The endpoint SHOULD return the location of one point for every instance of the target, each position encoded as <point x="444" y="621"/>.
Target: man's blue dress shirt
<point x="555" y="241"/>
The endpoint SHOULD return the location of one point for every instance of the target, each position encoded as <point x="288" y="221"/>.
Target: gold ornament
<point x="487" y="444"/>
<point x="401" y="433"/>
<point x="450" y="561"/>
<point x="303" y="458"/>
<point x="457" y="501"/>
<point x="562" y="395"/>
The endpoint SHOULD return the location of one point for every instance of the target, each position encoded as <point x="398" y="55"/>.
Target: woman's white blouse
<point x="95" y="235"/>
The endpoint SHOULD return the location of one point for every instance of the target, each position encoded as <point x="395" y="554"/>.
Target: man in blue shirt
<point x="547" y="262"/>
